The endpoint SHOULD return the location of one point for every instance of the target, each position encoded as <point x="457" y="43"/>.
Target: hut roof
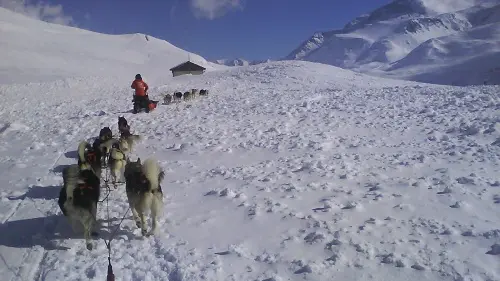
<point x="187" y="66"/>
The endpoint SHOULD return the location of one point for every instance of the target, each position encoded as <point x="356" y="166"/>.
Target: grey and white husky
<point x="117" y="162"/>
<point x="144" y="192"/>
<point x="78" y="199"/>
<point x="128" y="141"/>
<point x="89" y="158"/>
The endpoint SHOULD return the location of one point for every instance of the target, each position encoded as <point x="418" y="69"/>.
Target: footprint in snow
<point x="388" y="258"/>
<point x="418" y="267"/>
<point x="304" y="269"/>
<point x="350" y="205"/>
<point x="314" y="237"/>
<point x="446" y="190"/>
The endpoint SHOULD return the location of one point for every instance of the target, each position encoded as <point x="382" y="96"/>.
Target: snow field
<point x="286" y="171"/>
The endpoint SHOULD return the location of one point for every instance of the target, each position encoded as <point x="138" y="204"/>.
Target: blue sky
<point x="250" y="29"/>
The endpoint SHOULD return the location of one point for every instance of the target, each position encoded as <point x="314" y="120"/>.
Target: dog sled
<point x="83" y="182"/>
<point x="143" y="104"/>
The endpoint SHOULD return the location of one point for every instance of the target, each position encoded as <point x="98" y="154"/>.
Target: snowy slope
<point x="460" y="59"/>
<point x="286" y="171"/>
<point x="38" y="51"/>
<point x="373" y="43"/>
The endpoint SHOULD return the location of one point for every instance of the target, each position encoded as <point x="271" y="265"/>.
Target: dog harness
<point x="83" y="186"/>
<point x="91" y="157"/>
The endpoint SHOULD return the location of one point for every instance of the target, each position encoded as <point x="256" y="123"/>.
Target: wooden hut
<point x="187" y="67"/>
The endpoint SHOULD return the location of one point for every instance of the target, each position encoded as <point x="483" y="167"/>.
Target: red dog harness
<point x="91" y="157"/>
<point x="84" y="186"/>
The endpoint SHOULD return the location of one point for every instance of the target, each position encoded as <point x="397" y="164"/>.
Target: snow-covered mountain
<point x="41" y="51"/>
<point x="240" y="62"/>
<point x="401" y="40"/>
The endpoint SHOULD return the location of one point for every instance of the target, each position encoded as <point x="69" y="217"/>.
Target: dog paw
<point x="144" y="232"/>
<point x="89" y="246"/>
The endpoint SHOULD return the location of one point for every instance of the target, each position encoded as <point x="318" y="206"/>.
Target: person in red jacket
<point x="140" y="87"/>
<point x="141" y="92"/>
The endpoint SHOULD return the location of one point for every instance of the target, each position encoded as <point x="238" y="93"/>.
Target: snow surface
<point x="287" y="171"/>
<point x="390" y="41"/>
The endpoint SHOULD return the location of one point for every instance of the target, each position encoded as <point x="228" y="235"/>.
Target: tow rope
<point x="110" y="275"/>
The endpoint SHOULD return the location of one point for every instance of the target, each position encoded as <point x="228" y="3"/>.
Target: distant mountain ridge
<point x="239" y="62"/>
<point x="387" y="41"/>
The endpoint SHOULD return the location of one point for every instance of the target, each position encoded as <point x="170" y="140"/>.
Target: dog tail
<point x="81" y="151"/>
<point x="156" y="205"/>
<point x="70" y="178"/>
<point x="136" y="138"/>
<point x="153" y="173"/>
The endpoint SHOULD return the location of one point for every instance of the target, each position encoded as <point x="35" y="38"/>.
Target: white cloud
<point x="40" y="10"/>
<point x="447" y="6"/>
<point x="173" y="10"/>
<point x="212" y="9"/>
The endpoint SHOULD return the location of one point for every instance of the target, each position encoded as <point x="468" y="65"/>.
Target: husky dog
<point x="127" y="140"/>
<point x="177" y="96"/>
<point x="167" y="99"/>
<point x="105" y="134"/>
<point x="78" y="199"/>
<point x="130" y="141"/>
<point x="103" y="143"/>
<point x="123" y="146"/>
<point x="116" y="162"/>
<point x="203" y="92"/>
<point x="187" y="96"/>
<point x="104" y="147"/>
<point x="123" y="125"/>
<point x="89" y="158"/>
<point x="194" y="93"/>
<point x="144" y="191"/>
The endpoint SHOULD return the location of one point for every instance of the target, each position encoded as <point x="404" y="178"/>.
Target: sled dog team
<point x="188" y="95"/>
<point x="81" y="190"/>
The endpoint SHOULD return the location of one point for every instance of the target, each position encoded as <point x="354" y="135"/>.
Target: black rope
<point x="110" y="276"/>
<point x="106" y="180"/>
